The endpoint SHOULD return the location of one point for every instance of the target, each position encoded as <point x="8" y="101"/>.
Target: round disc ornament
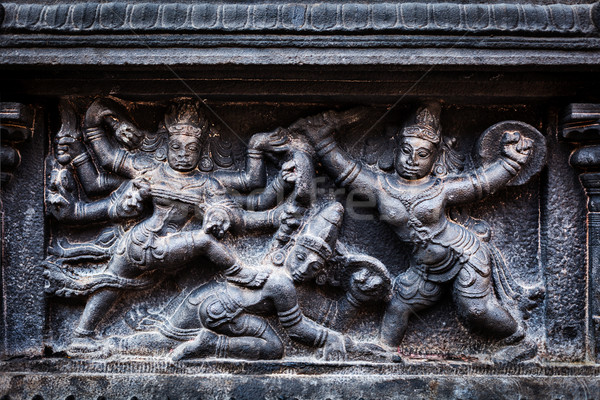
<point x="488" y="148"/>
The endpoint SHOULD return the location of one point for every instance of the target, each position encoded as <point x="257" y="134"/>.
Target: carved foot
<point x="112" y="345"/>
<point x="203" y="345"/>
<point x="524" y="350"/>
<point x="82" y="345"/>
<point x="515" y="337"/>
<point x="370" y="351"/>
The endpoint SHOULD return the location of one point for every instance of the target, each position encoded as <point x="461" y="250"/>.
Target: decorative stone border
<point x="301" y="17"/>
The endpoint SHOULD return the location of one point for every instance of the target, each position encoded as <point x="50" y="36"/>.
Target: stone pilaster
<point x="581" y="126"/>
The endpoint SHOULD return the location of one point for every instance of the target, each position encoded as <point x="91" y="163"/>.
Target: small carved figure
<point x="414" y="202"/>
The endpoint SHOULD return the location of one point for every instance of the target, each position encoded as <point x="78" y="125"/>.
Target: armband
<point x="256" y="154"/>
<point x="349" y="174"/>
<point x="325" y="146"/>
<point x="291" y="317"/>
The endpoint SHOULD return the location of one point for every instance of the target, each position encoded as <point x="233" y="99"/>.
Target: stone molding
<point x="510" y="19"/>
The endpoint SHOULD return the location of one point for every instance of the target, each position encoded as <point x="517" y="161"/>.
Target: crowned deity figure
<point x="189" y="210"/>
<point x="414" y="201"/>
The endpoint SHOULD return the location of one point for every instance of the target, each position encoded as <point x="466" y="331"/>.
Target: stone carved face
<point x="304" y="264"/>
<point x="366" y="284"/>
<point x="183" y="153"/>
<point x="59" y="189"/>
<point x="415" y="157"/>
<point x="63" y="151"/>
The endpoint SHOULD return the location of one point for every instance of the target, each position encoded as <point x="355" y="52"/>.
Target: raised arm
<point x="254" y="175"/>
<point x="346" y="171"/>
<point x="94" y="182"/>
<point x="111" y="156"/>
<point x="484" y="181"/>
<point x="123" y="203"/>
<point x="269" y="197"/>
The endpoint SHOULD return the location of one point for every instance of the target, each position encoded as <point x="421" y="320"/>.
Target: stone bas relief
<point x="170" y="240"/>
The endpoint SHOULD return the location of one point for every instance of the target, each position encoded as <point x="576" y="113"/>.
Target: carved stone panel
<point x="311" y="200"/>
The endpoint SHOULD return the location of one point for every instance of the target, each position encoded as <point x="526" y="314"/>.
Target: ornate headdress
<point x="185" y="118"/>
<point x="425" y="124"/>
<point x="321" y="232"/>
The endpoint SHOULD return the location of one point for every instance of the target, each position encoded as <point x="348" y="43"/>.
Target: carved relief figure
<point x="414" y="202"/>
<point x="227" y="318"/>
<point x="157" y="210"/>
<point x="188" y="208"/>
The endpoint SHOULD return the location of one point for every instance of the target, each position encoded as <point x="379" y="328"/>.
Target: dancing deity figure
<point x="189" y="208"/>
<point x="414" y="202"/>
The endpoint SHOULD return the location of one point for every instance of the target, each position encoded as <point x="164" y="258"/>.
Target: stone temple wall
<point x="282" y="200"/>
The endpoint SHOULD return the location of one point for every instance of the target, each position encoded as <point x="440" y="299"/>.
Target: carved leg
<point x="487" y="315"/>
<point x="100" y="302"/>
<point x="146" y="343"/>
<point x="253" y="339"/>
<point x="411" y="294"/>
<point x="247" y="337"/>
<point x="95" y="309"/>
<point x="395" y="322"/>
<point x="479" y="307"/>
<point x="183" y="247"/>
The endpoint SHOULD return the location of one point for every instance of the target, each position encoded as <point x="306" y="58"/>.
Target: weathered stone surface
<point x="298" y="200"/>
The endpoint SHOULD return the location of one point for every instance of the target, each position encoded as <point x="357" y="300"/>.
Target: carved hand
<point x="366" y="286"/>
<point x="128" y="134"/>
<point x="60" y="205"/>
<point x="131" y="202"/>
<point x="516" y="147"/>
<point x="70" y="145"/>
<point x="335" y="347"/>
<point x="96" y="113"/>
<point x="292" y="216"/>
<point x="216" y="222"/>
<point x="289" y="172"/>
<point x="318" y="127"/>
<point x="275" y="141"/>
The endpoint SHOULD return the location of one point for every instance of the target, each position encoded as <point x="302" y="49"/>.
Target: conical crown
<point x="425" y="124"/>
<point x="321" y="232"/>
<point x="185" y="118"/>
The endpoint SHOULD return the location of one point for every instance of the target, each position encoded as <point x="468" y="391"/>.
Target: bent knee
<point x="273" y="349"/>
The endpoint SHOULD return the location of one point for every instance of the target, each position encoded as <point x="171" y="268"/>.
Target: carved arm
<point x="110" y="156"/>
<point x="93" y="181"/>
<point x="346" y="171"/>
<point x="484" y="181"/>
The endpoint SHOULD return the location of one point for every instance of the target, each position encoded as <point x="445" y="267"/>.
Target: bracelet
<point x="510" y="165"/>
<point x="81" y="159"/>
<point x="256" y="154"/>
<point x="93" y="133"/>
<point x="233" y="270"/>
<point x="325" y="145"/>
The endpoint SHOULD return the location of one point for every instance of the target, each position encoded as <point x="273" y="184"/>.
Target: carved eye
<point x="301" y="256"/>
<point x="405" y="149"/>
<point x="424" y="154"/>
<point x="193" y="148"/>
<point x="175" y="146"/>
